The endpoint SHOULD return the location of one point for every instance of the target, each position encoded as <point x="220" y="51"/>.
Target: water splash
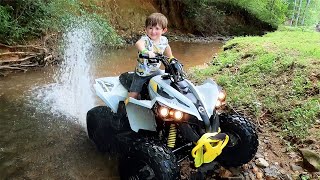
<point x="71" y="94"/>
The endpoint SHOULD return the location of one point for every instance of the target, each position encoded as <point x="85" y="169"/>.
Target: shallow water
<point x="42" y="113"/>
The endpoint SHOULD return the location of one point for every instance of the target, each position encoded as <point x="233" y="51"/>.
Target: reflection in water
<point x="71" y="93"/>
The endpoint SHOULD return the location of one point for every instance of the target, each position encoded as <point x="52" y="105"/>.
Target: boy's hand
<point x="151" y="54"/>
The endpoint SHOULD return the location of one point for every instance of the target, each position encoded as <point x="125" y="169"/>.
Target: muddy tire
<point x="146" y="159"/>
<point x="103" y="125"/>
<point x="243" y="142"/>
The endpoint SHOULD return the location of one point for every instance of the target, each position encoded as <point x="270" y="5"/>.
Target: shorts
<point x="138" y="81"/>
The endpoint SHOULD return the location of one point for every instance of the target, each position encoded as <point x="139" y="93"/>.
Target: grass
<point x="275" y="76"/>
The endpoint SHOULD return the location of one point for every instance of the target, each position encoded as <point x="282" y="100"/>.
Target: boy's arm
<point x="168" y="51"/>
<point x="140" y="45"/>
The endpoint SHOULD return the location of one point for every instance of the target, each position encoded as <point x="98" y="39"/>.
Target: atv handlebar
<point x="174" y="67"/>
<point x="152" y="60"/>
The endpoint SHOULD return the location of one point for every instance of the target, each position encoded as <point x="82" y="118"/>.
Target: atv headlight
<point x="221" y="99"/>
<point x="164" y="111"/>
<point x="178" y="115"/>
<point x="222" y="96"/>
<point x="168" y="114"/>
<point x="218" y="104"/>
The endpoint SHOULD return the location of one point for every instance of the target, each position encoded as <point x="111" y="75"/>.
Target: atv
<point x="173" y="120"/>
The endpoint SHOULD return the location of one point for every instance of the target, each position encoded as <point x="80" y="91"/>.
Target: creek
<point x="42" y="113"/>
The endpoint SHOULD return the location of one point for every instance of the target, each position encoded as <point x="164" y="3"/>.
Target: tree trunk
<point x="298" y="15"/>
<point x="294" y="12"/>
<point x="305" y="12"/>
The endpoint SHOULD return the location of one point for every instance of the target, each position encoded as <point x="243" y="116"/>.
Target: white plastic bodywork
<point x="140" y="115"/>
<point x="111" y="91"/>
<point x="140" y="112"/>
<point x="208" y="93"/>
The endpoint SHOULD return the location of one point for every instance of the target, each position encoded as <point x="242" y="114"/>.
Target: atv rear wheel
<point x="243" y="140"/>
<point x="103" y="125"/>
<point x="146" y="159"/>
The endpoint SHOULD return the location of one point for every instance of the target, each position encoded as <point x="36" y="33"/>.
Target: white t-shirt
<point x="144" y="68"/>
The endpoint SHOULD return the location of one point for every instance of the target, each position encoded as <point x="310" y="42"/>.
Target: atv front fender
<point x="140" y="114"/>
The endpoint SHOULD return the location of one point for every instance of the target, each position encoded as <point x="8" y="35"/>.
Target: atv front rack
<point x="208" y="147"/>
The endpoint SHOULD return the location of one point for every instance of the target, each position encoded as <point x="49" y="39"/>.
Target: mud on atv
<point x="174" y="120"/>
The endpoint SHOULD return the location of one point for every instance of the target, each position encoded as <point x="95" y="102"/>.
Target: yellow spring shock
<point x="172" y="136"/>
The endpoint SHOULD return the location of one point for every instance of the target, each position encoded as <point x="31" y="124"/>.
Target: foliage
<point x="21" y="18"/>
<point x="33" y="18"/>
<point x="276" y="76"/>
<point x="270" y="11"/>
<point x="303" y="12"/>
<point x="235" y="16"/>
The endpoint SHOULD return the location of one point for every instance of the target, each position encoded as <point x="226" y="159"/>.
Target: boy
<point x="151" y="43"/>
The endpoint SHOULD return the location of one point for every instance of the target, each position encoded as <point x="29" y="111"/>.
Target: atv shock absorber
<point x="172" y="136"/>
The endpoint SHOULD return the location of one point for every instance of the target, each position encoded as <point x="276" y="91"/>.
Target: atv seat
<point x="126" y="81"/>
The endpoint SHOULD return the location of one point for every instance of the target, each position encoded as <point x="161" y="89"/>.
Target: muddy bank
<point x="31" y="56"/>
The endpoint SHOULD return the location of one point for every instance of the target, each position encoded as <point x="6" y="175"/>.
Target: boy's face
<point x="155" y="32"/>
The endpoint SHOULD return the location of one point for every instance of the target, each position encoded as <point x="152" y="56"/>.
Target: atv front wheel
<point x="103" y="125"/>
<point x="243" y="140"/>
<point x="146" y="159"/>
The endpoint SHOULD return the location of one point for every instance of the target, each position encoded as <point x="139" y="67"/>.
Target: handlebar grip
<point x="144" y="56"/>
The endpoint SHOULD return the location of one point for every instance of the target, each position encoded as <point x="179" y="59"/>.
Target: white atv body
<point x="139" y="112"/>
<point x="173" y="119"/>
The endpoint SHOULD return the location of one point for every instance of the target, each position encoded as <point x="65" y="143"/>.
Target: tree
<point x="305" y="11"/>
<point x="294" y="11"/>
<point x="298" y="13"/>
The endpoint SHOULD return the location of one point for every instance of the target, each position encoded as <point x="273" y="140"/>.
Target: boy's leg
<point x="133" y="95"/>
<point x="136" y="86"/>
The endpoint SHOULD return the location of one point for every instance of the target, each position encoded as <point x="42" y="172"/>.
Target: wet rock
<point x="258" y="155"/>
<point x="266" y="140"/>
<point x="293" y="155"/>
<point x="272" y="171"/>
<point x="235" y="171"/>
<point x="246" y="175"/>
<point x="310" y="159"/>
<point x="285" y="177"/>
<point x="259" y="175"/>
<point x="255" y="169"/>
<point x="252" y="176"/>
<point x="296" y="167"/>
<point x="241" y="177"/>
<point x="261" y="162"/>
<point x="225" y="173"/>
<point x="245" y="167"/>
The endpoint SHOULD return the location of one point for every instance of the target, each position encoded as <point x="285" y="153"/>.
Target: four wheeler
<point x="173" y="120"/>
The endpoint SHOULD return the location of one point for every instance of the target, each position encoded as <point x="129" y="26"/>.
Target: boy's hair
<point x="157" y="19"/>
